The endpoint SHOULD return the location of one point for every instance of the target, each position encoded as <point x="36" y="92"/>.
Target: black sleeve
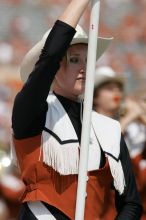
<point x="128" y="205"/>
<point x="29" y="110"/>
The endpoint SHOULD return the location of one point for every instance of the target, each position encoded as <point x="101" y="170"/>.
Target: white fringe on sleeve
<point x="117" y="173"/>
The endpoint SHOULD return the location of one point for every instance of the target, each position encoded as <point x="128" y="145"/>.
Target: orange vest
<point x="45" y="184"/>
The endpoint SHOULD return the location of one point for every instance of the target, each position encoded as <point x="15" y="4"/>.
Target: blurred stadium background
<point x="22" y="24"/>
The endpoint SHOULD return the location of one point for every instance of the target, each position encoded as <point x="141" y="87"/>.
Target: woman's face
<point x="108" y="97"/>
<point x="70" y="79"/>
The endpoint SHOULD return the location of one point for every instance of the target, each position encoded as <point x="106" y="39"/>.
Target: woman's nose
<point x="83" y="68"/>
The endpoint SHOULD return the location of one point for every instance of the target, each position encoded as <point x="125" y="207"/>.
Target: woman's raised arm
<point x="30" y="103"/>
<point x="74" y="11"/>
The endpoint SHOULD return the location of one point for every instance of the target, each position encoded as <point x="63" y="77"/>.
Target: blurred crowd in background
<point x="22" y="24"/>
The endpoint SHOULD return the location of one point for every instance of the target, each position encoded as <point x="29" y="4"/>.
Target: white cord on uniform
<point x="40" y="211"/>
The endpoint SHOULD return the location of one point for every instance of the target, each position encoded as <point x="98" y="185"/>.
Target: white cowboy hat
<point x="105" y="74"/>
<point x="32" y="56"/>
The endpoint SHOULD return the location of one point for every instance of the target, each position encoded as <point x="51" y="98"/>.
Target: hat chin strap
<point x="80" y="97"/>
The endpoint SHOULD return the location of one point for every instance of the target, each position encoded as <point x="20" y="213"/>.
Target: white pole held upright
<point x="88" y="100"/>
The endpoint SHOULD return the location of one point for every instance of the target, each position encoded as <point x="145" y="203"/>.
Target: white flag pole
<point x="88" y="101"/>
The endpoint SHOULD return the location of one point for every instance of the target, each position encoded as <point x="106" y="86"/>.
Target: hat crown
<point x="105" y="71"/>
<point x="80" y="33"/>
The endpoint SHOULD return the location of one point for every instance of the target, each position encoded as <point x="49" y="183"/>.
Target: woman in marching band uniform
<point x="47" y="131"/>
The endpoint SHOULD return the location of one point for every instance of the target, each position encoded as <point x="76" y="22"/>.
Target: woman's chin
<point x="80" y="90"/>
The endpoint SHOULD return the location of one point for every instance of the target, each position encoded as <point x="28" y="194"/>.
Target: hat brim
<point x="102" y="44"/>
<point x="32" y="56"/>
